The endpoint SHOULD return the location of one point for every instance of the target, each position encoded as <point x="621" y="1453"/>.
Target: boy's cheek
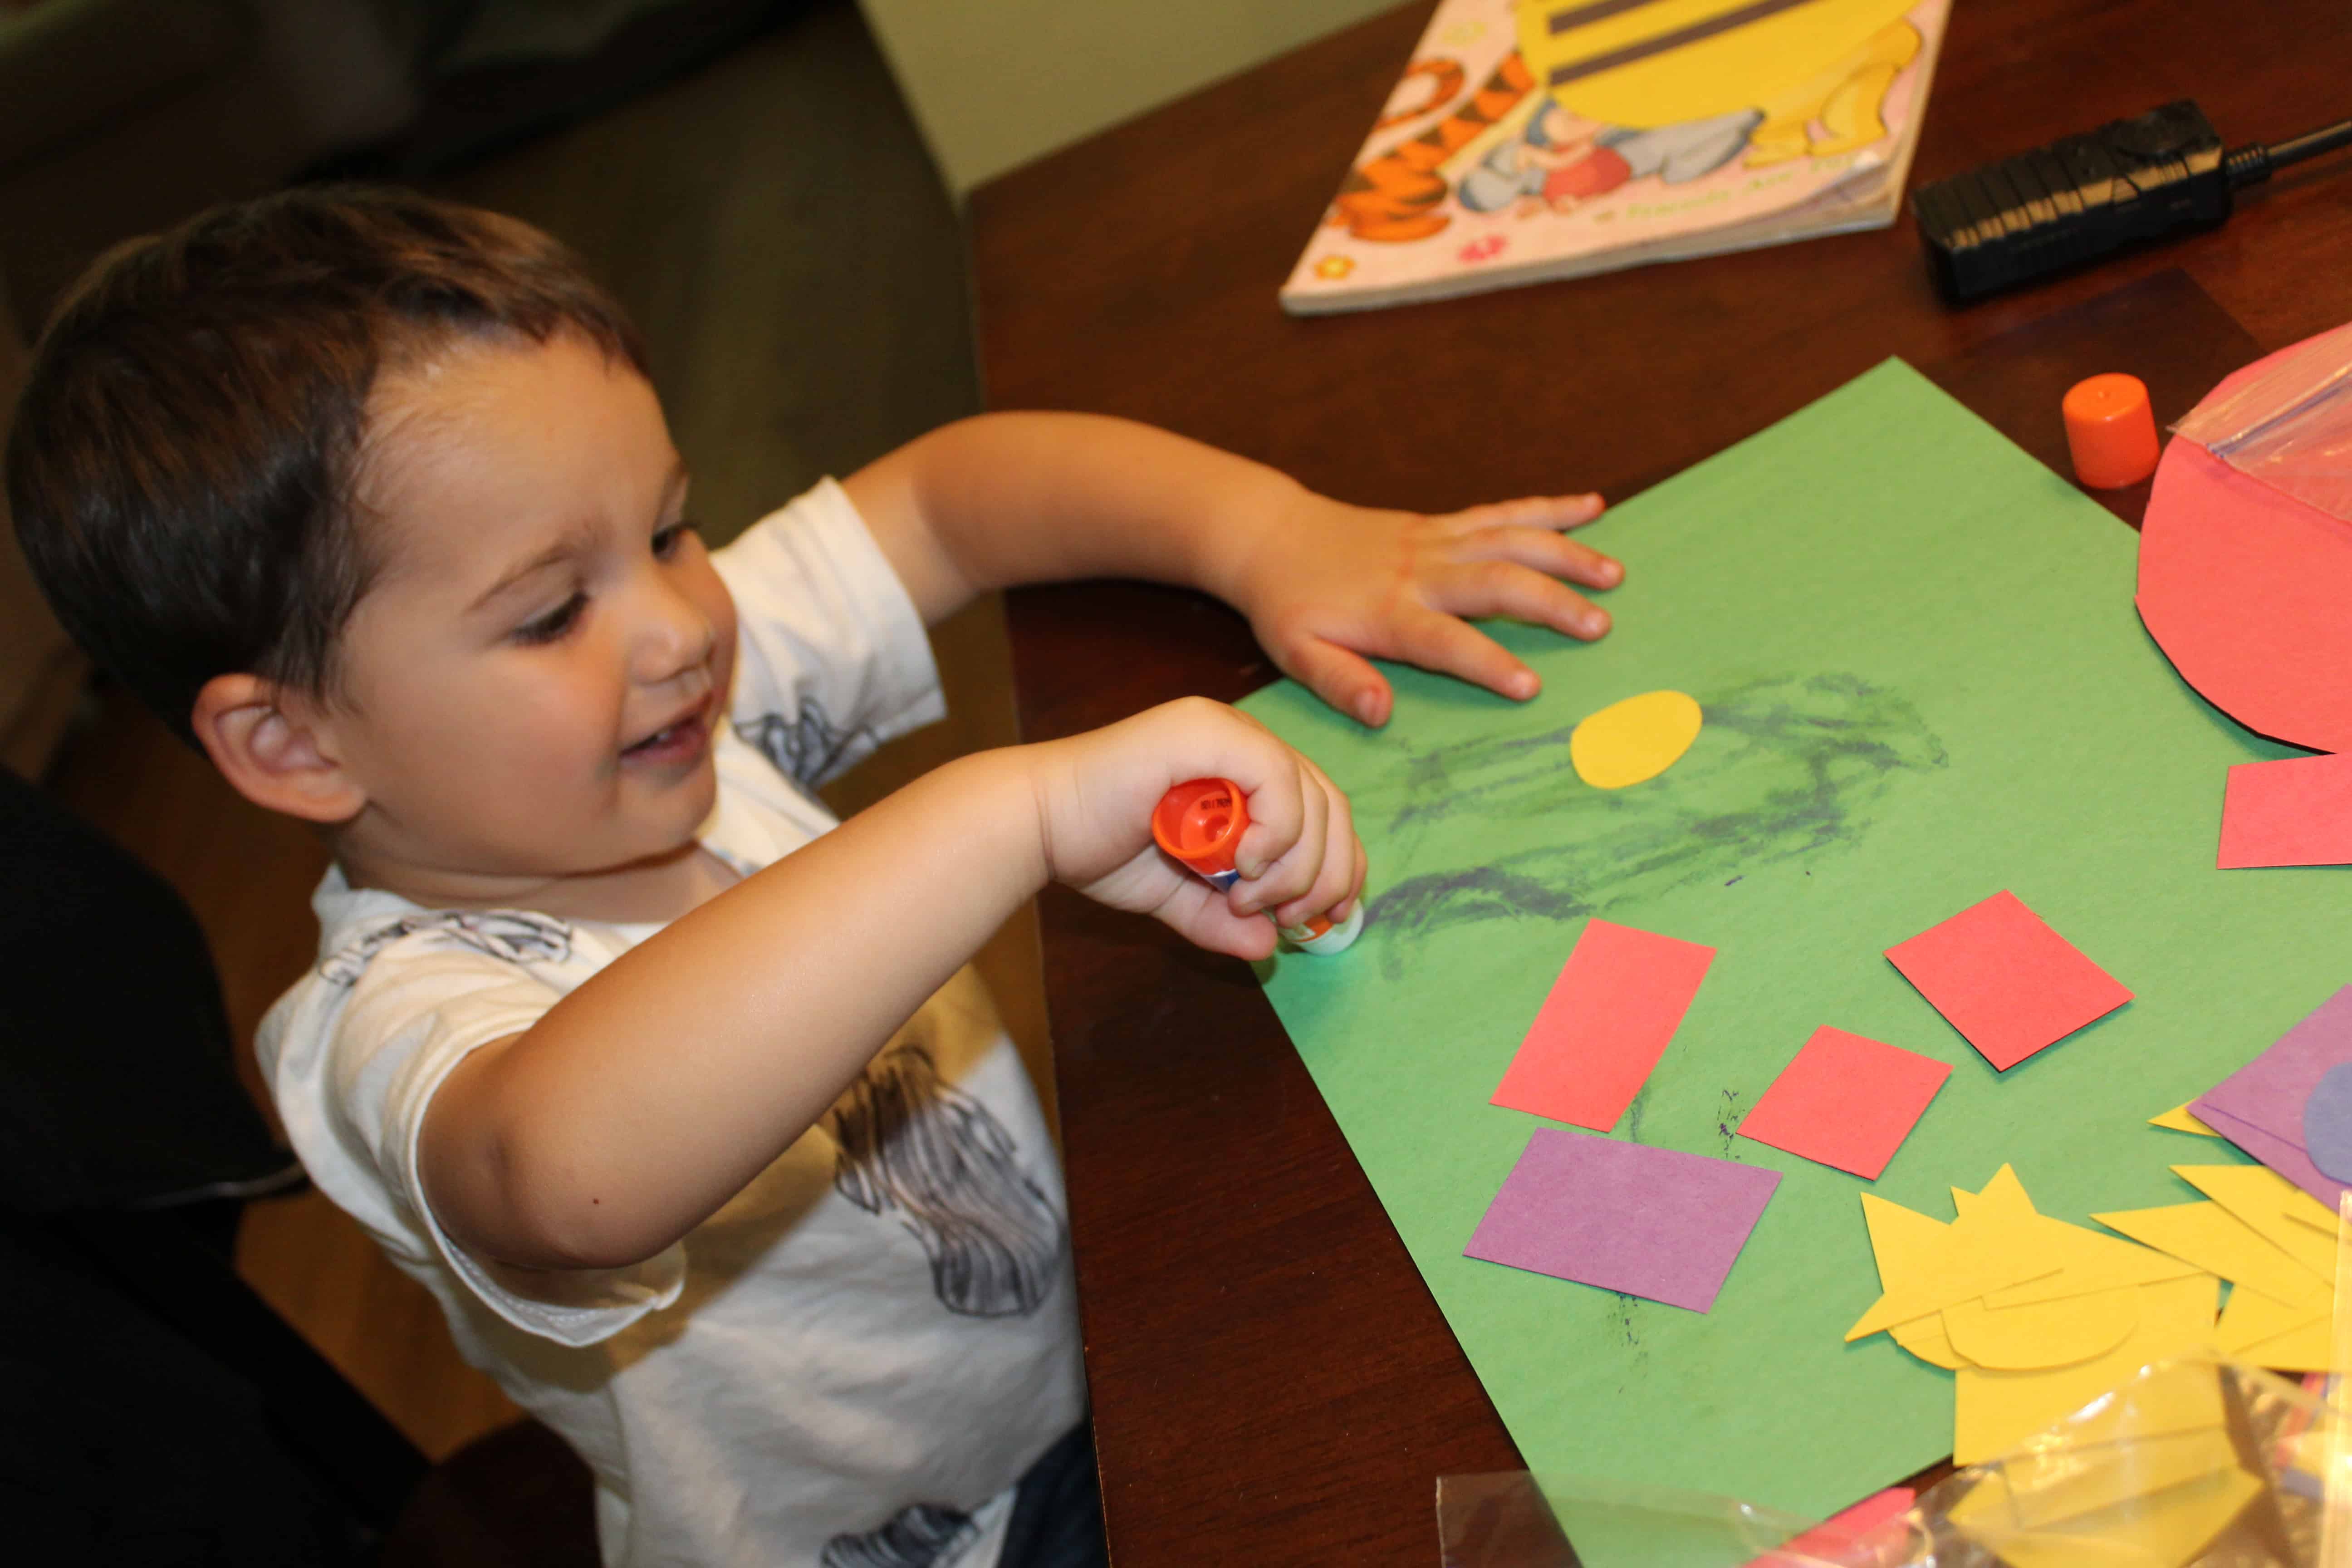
<point x="722" y="666"/>
<point x="718" y="607"/>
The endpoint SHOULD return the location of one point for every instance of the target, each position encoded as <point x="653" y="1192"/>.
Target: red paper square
<point x="2297" y="811"/>
<point x="1617" y="1002"/>
<point x="2005" y="980"/>
<point x="1847" y="1100"/>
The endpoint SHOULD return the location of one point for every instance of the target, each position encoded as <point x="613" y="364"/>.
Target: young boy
<point x="675" y="1092"/>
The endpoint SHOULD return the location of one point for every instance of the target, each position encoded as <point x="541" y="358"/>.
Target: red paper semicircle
<point x="2249" y="593"/>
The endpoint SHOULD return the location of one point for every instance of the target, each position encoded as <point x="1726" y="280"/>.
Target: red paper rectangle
<point x="1847" y="1100"/>
<point x="2297" y="811"/>
<point x="2005" y="980"/>
<point x="1617" y="1002"/>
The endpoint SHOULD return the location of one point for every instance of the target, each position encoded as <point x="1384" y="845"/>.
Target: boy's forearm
<point x="650" y="1096"/>
<point x="1006" y="498"/>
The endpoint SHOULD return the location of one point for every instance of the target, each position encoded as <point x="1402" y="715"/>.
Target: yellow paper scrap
<point x="2309" y="1346"/>
<point x="2216" y="1240"/>
<point x="2003" y="1196"/>
<point x="2183" y="1397"/>
<point x="2051" y="1333"/>
<point x="1925" y="1338"/>
<point x="2045" y="1484"/>
<point x="1925" y="1264"/>
<point x="2164" y="1529"/>
<point x="1905" y="1244"/>
<point x="2263" y="1199"/>
<point x="2251" y="1316"/>
<point x="2323" y="1221"/>
<point x="2092" y="1262"/>
<point x="2179" y="1119"/>
<point x="1993" y="1411"/>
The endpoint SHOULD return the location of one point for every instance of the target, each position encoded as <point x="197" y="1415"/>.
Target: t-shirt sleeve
<point x="831" y="657"/>
<point x="418" y="1009"/>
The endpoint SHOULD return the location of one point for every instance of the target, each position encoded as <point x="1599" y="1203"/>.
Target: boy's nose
<point x="675" y="636"/>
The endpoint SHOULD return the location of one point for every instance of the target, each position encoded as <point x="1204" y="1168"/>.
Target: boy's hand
<point x="1326" y="583"/>
<point x="1096" y="793"/>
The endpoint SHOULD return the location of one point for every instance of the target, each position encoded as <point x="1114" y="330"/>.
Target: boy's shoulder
<point x="389" y="970"/>
<point x="833" y="657"/>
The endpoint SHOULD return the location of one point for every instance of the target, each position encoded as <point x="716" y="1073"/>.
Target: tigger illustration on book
<point x="1601" y="92"/>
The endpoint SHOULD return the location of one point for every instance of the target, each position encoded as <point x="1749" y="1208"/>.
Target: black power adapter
<point x="2129" y="181"/>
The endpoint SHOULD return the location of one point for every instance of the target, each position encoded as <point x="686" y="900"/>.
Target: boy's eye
<point x="554" y="624"/>
<point x="668" y="540"/>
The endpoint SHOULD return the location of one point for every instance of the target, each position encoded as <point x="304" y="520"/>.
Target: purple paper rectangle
<point x="2263" y="1099"/>
<point x="2269" y="1091"/>
<point x="2289" y="1160"/>
<point x="1655" y="1222"/>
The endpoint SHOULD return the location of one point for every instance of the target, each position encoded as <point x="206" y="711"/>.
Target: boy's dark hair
<point x="185" y="454"/>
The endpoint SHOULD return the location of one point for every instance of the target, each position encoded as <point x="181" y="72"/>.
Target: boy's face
<point x="533" y="678"/>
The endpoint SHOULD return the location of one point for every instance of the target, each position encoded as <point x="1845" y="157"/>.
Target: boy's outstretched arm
<point x="659" y="1088"/>
<point x="1006" y="498"/>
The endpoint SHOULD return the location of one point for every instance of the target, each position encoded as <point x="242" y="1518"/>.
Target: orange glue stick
<point x="1201" y="822"/>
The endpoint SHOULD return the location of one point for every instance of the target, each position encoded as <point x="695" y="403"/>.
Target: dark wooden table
<point x="1272" y="1382"/>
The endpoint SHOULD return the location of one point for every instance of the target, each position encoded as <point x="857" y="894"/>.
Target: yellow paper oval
<point x="1637" y="739"/>
<point x="2046" y="1334"/>
<point x="1925" y="1338"/>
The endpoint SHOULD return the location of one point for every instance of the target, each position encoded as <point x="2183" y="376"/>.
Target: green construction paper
<point x="1923" y="681"/>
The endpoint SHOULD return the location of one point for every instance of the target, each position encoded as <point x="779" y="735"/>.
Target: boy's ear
<point x="272" y="747"/>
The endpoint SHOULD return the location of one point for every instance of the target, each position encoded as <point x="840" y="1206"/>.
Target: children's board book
<point x="1532" y="139"/>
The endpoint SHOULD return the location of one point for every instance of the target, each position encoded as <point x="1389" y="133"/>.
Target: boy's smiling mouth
<point x="681" y="739"/>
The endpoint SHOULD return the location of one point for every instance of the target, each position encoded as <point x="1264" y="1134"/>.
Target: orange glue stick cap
<point x="2110" y="431"/>
<point x="1201" y="822"/>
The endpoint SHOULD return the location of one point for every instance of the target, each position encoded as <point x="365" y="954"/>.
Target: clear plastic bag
<point x="2289" y="424"/>
<point x="2194" y="1464"/>
<point x="1513" y="1521"/>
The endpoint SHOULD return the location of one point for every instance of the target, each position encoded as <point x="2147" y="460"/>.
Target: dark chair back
<point x="158" y="1410"/>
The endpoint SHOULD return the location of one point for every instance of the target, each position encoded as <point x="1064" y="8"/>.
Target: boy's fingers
<point x="1337" y="880"/>
<point x="1451" y="646"/>
<point x="1218" y="928"/>
<point x="1338" y="911"/>
<point x="1277" y="811"/>
<point x="1529" y="511"/>
<point x="1505" y="588"/>
<point x="1300" y="863"/>
<point x="1545" y="552"/>
<point x="1344" y="679"/>
<point x="1198" y="912"/>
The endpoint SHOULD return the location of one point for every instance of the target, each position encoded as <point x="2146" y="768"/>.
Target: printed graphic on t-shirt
<point x="923" y="1536"/>
<point x="807" y="748"/>
<point x="933" y="1156"/>
<point x="517" y="936"/>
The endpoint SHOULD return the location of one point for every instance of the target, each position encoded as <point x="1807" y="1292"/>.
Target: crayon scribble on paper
<point x="1786" y="766"/>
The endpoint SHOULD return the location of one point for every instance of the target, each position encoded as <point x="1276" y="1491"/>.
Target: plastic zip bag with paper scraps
<point x="2290" y="425"/>
<point x="2190" y="1465"/>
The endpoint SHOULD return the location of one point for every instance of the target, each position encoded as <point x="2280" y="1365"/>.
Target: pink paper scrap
<point x="2005" y="980"/>
<point x="1828" y="1540"/>
<point x="2295" y="811"/>
<point x="1615" y="1005"/>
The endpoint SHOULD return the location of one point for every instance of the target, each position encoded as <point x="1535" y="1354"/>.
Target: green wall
<point x="995" y="83"/>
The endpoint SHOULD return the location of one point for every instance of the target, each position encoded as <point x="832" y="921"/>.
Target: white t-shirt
<point x="853" y="1361"/>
